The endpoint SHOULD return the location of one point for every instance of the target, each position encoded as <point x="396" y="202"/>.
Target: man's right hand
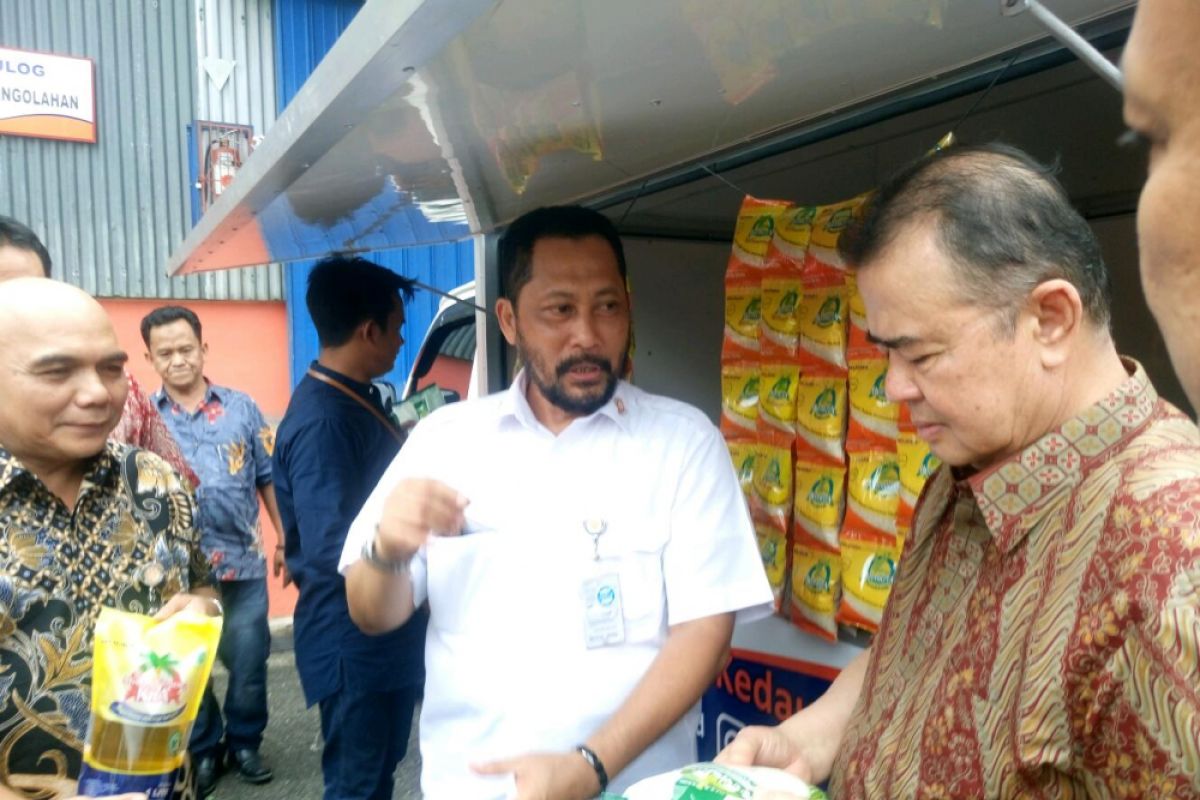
<point x="758" y="746"/>
<point x="413" y="510"/>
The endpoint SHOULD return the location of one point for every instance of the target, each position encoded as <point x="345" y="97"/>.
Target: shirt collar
<point x="1012" y="493"/>
<point x="212" y="392"/>
<point x="514" y="405"/>
<point x="101" y="469"/>
<point x="367" y="390"/>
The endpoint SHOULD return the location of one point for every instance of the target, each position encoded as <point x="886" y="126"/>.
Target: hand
<point x="279" y="567"/>
<point x="202" y="604"/>
<point x="413" y="510"/>
<point x="768" y="747"/>
<point x="547" y="776"/>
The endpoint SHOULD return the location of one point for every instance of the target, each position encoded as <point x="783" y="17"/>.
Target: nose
<point x="92" y="390"/>
<point x="899" y="384"/>
<point x="585" y="332"/>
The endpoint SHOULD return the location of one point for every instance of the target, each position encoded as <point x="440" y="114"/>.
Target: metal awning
<point x="429" y="121"/>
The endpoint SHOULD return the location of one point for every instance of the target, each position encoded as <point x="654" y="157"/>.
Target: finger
<point x="741" y="752"/>
<point x="494" y="767"/>
<point x="173" y="606"/>
<point x="801" y="769"/>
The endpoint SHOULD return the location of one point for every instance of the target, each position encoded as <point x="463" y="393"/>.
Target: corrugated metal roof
<point x="110" y="213"/>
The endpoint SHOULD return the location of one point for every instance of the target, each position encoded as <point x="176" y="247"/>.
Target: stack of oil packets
<point x="830" y="468"/>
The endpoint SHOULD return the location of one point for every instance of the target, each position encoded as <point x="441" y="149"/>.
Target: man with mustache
<point x="583" y="545"/>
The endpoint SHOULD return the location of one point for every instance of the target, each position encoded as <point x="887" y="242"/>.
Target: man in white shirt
<point x="583" y="545"/>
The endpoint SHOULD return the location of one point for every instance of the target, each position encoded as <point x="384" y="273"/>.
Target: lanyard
<point x="356" y="397"/>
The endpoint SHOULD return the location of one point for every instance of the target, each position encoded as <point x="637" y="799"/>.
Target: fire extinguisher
<point x="224" y="160"/>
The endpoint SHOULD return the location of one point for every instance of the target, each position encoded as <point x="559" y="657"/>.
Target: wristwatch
<point x="398" y="567"/>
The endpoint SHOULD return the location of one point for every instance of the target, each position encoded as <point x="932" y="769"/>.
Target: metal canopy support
<point x="492" y="374"/>
<point x="1068" y="37"/>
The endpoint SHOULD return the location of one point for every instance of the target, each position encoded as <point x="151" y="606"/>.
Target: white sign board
<point x="47" y="96"/>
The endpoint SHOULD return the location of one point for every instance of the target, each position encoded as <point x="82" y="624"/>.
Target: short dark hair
<point x="566" y="222"/>
<point x="17" y="234"/>
<point x="165" y="315"/>
<point x="1002" y="218"/>
<point x="346" y="291"/>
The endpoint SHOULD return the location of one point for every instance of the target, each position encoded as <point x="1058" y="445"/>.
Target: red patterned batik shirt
<point x="1041" y="638"/>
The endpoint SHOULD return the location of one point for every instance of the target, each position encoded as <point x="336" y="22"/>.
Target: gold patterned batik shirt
<point x="130" y="543"/>
<point x="1041" y="638"/>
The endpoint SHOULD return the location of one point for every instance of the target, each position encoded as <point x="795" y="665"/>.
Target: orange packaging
<point x="777" y="388"/>
<point x="828" y="225"/>
<point x="743" y="311"/>
<point x="873" y="418"/>
<point x="869" y="562"/>
<point x="816" y="587"/>
<point x="739" y="400"/>
<point x="873" y="491"/>
<point x="756" y="223"/>
<point x="822" y="322"/>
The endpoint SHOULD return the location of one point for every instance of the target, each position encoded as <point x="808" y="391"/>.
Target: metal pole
<point x="1065" y="34"/>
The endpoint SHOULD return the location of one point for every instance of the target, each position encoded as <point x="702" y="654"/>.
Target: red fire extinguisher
<point x="224" y="160"/>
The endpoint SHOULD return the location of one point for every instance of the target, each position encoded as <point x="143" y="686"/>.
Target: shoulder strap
<point x="356" y="397"/>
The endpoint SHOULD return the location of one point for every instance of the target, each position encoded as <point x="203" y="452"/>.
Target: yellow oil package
<point x="868" y="570"/>
<point x="793" y="229"/>
<point x="822" y="326"/>
<point x="779" y="326"/>
<point x="816" y="588"/>
<point x="739" y="400"/>
<point x="873" y="491"/>
<point x="858" y="313"/>
<point x="771" y="501"/>
<point x="773" y="547"/>
<point x="872" y="416"/>
<point x="743" y="311"/>
<point x="755" y="229"/>
<point x="147" y="681"/>
<point x="742" y="455"/>
<point x="821" y="416"/>
<point x="820" y="503"/>
<point x="777" y="387"/>
<point x="827" y="228"/>
<point x="917" y="464"/>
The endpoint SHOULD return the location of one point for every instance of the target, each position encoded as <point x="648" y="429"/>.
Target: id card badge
<point x="603" y="622"/>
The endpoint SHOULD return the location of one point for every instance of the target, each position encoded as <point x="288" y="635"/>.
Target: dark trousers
<point x="366" y="736"/>
<point x="245" y="644"/>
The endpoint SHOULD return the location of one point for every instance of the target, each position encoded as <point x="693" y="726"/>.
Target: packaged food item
<point x="872" y="416"/>
<point x="739" y="400"/>
<point x="777" y="387"/>
<point x="773" y="547"/>
<point x="771" y="501"/>
<point x="779" y="326"/>
<point x="827" y="228"/>
<point x="873" y="491"/>
<point x="793" y="230"/>
<point x="718" y="782"/>
<point x="816" y="587"/>
<point x="858" y="316"/>
<point x="147" y="681"/>
<point x="917" y="464"/>
<point x="743" y="311"/>
<point x="742" y="454"/>
<point x="820" y="503"/>
<point x="822" y="325"/>
<point x="821" y="416"/>
<point x="755" y="228"/>
<point x="868" y="570"/>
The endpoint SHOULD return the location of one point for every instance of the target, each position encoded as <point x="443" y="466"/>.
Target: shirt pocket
<point x="475" y="584"/>
<point x="637" y="551"/>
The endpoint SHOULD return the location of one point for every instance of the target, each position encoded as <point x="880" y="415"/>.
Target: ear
<point x="204" y="348"/>
<point x="367" y="332"/>
<point x="506" y="313"/>
<point x="1057" y="315"/>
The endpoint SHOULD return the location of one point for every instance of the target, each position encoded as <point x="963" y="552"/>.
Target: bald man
<point x="86" y="522"/>
<point x="1162" y="105"/>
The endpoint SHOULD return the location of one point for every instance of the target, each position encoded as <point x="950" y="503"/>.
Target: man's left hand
<point x="202" y="604"/>
<point x="547" y="776"/>
<point x="279" y="567"/>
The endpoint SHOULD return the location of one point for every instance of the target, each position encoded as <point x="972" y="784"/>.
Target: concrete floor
<point x="292" y="745"/>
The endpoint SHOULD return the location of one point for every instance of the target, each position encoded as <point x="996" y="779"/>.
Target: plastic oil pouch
<point x="739" y="400"/>
<point x="147" y="681"/>
<point x="868" y="571"/>
<point x="872" y="416"/>
<point x="821" y="416"/>
<point x="822" y="325"/>
<point x="777" y="387"/>
<point x="816" y="588"/>
<point x="873" y="491"/>
<point x="858" y="313"/>
<point x="771" y="500"/>
<point x="743" y="312"/>
<point x="827" y="229"/>
<point x="773" y="547"/>
<point x="718" y="782"/>
<point x="779" y="328"/>
<point x="742" y="454"/>
<point x="820" y="502"/>
<point x="755" y="229"/>
<point x="917" y="465"/>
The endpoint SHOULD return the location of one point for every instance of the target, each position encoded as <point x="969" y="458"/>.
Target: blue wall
<point x="305" y="30"/>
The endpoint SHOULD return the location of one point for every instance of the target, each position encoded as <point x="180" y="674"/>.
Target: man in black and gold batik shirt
<point x="84" y="523"/>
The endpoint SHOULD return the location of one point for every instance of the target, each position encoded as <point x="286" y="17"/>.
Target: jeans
<point x="366" y="736"/>
<point x="245" y="644"/>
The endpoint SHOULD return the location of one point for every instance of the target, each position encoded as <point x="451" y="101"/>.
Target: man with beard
<point x="583" y="545"/>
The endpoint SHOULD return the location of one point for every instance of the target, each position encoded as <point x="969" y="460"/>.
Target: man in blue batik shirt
<point x="227" y="442"/>
<point x="333" y="445"/>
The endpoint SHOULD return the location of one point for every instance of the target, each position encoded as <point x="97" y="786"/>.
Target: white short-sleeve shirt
<point x="507" y="663"/>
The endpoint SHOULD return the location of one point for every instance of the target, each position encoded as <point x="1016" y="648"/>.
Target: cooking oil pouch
<point x="755" y="229"/>
<point x="739" y="400"/>
<point x="827" y="228"/>
<point x="742" y="454"/>
<point x="743" y="312"/>
<point x="793" y="230"/>
<point x="858" y="314"/>
<point x="872" y="416"/>
<point x="868" y="570"/>
<point x="917" y="465"/>
<point x="718" y="782"/>
<point x="779" y="326"/>
<point x="773" y="547"/>
<point x="820" y="502"/>
<point x="816" y="588"/>
<point x="777" y="387"/>
<point x="821" y="416"/>
<point x="822" y="325"/>
<point x="771" y="500"/>
<point x="147" y="681"/>
<point x="873" y="491"/>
